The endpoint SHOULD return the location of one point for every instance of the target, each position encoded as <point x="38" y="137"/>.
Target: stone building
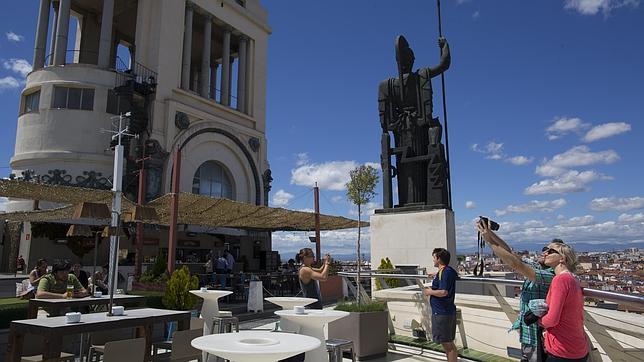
<point x="191" y="74"/>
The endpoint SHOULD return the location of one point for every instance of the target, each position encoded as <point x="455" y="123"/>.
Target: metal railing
<point x="630" y="299"/>
<point x="604" y="329"/>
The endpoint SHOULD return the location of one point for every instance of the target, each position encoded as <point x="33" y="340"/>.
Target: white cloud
<point x="281" y="198"/>
<point x="9" y="83"/>
<point x="576" y="156"/>
<point x="628" y="218"/>
<point x="332" y="175"/>
<point x="606" y="130"/>
<point x="571" y="181"/>
<point x="20" y="66"/>
<point x="13" y="37"/>
<point x="563" y="126"/>
<point x="493" y="150"/>
<point x="3" y="204"/>
<point x="338" y="199"/>
<point x="306" y="210"/>
<point x="579" y="220"/>
<point x="302" y="159"/>
<point x="476" y="14"/>
<point x="618" y="204"/>
<point x="520" y="160"/>
<point x="375" y="165"/>
<point x="333" y="242"/>
<point x="368" y="209"/>
<point x="470" y="204"/>
<point x="592" y="7"/>
<point x="532" y="206"/>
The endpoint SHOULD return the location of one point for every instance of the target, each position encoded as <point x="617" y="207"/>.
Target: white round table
<point x="312" y="324"/>
<point x="288" y="303"/>
<point x="255" y="346"/>
<point x="210" y="308"/>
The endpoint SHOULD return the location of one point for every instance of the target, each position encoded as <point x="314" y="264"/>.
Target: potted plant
<point x="386" y="267"/>
<point x="155" y="278"/>
<point x="366" y="325"/>
<point x="177" y="293"/>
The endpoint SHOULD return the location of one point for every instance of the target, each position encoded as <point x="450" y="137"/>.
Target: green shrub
<point x="386" y="268"/>
<point x="370" y="306"/>
<point x="177" y="294"/>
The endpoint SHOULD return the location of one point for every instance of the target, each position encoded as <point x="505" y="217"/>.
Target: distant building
<point x="193" y="76"/>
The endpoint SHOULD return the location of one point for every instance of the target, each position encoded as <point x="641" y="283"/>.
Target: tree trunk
<point x="359" y="258"/>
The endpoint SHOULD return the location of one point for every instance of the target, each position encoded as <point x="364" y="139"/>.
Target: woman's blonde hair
<point x="568" y="253"/>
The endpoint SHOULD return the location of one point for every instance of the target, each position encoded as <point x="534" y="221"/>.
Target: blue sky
<point x="544" y="102"/>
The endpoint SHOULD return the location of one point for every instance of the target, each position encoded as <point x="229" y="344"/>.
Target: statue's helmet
<point x="404" y="55"/>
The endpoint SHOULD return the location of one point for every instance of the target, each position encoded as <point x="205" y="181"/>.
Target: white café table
<point x="210" y="308"/>
<point x="288" y="303"/>
<point x="312" y="324"/>
<point x="255" y="346"/>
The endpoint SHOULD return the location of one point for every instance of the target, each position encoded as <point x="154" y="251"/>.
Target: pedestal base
<point x="410" y="237"/>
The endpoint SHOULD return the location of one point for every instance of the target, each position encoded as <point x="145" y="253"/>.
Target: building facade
<point x="189" y="75"/>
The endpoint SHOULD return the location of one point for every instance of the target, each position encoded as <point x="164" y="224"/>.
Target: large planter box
<point x="331" y="289"/>
<point x="368" y="331"/>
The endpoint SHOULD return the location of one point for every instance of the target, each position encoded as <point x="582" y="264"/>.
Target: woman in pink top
<point x="564" y="336"/>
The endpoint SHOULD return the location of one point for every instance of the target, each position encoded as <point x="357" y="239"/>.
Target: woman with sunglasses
<point x="564" y="337"/>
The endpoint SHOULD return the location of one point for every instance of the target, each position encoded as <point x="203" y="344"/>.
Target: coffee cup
<point x="98" y="294"/>
<point x="298" y="309"/>
<point x="118" y="310"/>
<point x="72" y="317"/>
<point x="203" y="289"/>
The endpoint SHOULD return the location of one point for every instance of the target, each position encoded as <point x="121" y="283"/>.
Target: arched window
<point x="211" y="179"/>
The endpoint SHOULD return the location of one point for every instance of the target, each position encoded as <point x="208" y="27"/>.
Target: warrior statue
<point x="405" y="107"/>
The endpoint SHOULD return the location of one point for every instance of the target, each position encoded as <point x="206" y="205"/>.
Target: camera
<point x="494" y="226"/>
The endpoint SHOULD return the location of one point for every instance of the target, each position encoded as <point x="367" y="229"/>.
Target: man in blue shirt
<point x="441" y="300"/>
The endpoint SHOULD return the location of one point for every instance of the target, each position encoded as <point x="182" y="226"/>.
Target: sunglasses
<point x="549" y="251"/>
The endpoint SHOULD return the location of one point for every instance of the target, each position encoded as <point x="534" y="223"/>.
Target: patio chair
<point x="32" y="349"/>
<point x="336" y="347"/>
<point x="98" y="340"/>
<point x="182" y="350"/>
<point x="196" y="324"/>
<point x="125" y="350"/>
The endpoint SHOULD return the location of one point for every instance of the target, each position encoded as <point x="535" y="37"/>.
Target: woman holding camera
<point x="309" y="276"/>
<point x="564" y="337"/>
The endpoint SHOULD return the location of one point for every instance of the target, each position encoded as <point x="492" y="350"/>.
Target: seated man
<point x="54" y="285"/>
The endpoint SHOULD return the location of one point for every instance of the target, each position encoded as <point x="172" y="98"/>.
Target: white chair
<point x="125" y="350"/>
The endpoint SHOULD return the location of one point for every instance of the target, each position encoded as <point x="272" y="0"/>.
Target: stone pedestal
<point x="410" y="237"/>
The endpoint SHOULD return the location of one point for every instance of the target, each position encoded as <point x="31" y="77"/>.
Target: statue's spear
<point x="449" y="174"/>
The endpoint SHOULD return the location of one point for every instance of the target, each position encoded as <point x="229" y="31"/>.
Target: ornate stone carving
<point x="253" y="142"/>
<point x="181" y="120"/>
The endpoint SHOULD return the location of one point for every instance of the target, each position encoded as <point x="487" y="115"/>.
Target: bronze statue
<point x="407" y="112"/>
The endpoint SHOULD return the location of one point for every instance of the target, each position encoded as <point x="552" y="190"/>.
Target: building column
<point x="195" y="80"/>
<point x="241" y="76"/>
<point x="225" y="69"/>
<point x="205" y="57"/>
<point x="230" y="80"/>
<point x="213" y="81"/>
<point x="187" y="48"/>
<point x="250" y="75"/>
<point x="41" y="34"/>
<point x="62" y="30"/>
<point x="104" y="49"/>
<point x="52" y="39"/>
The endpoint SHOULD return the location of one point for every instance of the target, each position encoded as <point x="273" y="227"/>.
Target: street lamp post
<point x="117" y="188"/>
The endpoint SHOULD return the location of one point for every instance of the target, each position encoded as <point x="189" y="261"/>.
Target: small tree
<point x="177" y="293"/>
<point x="360" y="190"/>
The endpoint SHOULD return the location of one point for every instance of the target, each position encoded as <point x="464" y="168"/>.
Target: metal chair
<point x="195" y="324"/>
<point x="224" y="324"/>
<point x="335" y="347"/>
